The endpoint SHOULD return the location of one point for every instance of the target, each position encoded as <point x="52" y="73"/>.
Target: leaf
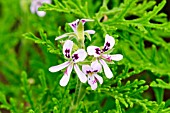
<point x="118" y="107"/>
<point x="26" y="89"/>
<point x="159" y="94"/>
<point x="160" y="83"/>
<point x="33" y="37"/>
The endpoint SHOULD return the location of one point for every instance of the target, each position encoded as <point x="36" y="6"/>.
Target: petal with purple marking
<point x="74" y="25"/>
<point x="79" y="55"/>
<point x="67" y="48"/>
<point x="99" y="78"/>
<point x="86" y="20"/>
<point x="116" y="57"/>
<point x="109" y="43"/>
<point x="86" y="69"/>
<point x="96" y="66"/>
<point x="80" y="74"/>
<point x="64" y="80"/>
<point x="94" y="50"/>
<point x="92" y="82"/>
<point x="107" y="70"/>
<point x="59" y="67"/>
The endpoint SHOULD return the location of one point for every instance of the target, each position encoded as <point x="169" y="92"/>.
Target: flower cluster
<point x="35" y="4"/>
<point x="100" y="55"/>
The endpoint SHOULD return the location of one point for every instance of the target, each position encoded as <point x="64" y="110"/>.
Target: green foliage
<point x="141" y="80"/>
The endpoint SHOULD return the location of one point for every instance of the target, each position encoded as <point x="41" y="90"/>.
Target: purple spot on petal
<point x="106" y="47"/>
<point x="108" y="58"/>
<point x="94" y="81"/>
<point x="73" y="25"/>
<point x="67" y="53"/>
<point x="108" y="44"/>
<point x="88" y="71"/>
<point x="98" y="51"/>
<point x="83" y="21"/>
<point x="75" y="57"/>
<point x="95" y="71"/>
<point x="66" y="73"/>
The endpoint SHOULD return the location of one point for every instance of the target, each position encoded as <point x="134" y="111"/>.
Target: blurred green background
<point x="18" y="54"/>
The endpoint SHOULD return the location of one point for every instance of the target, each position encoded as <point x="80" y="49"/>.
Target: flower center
<point x="90" y="73"/>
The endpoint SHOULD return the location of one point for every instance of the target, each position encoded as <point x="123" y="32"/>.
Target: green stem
<point x="79" y="91"/>
<point x="77" y="97"/>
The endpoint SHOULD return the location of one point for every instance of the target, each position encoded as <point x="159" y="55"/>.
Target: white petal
<point x="96" y="66"/>
<point x="99" y="78"/>
<point x="109" y="42"/>
<point x="94" y="50"/>
<point x="92" y="82"/>
<point x="79" y="55"/>
<point x="115" y="57"/>
<point x="90" y="31"/>
<point x="64" y="80"/>
<point x="86" y="69"/>
<point x="80" y="74"/>
<point x="46" y="1"/>
<point x="86" y="20"/>
<point x="107" y="70"/>
<point x="62" y="36"/>
<point x="41" y="13"/>
<point x="32" y="8"/>
<point x="67" y="48"/>
<point x="74" y="25"/>
<point x="59" y="67"/>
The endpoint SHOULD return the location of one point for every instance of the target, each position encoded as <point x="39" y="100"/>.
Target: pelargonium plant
<point x="114" y="60"/>
<point x="80" y="55"/>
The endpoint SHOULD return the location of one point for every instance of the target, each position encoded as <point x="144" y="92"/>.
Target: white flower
<point x="74" y="25"/>
<point x="91" y="71"/>
<point x="101" y="56"/>
<point x="35" y="4"/>
<point x="73" y="59"/>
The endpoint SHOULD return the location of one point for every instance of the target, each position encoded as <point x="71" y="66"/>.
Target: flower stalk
<point x="79" y="91"/>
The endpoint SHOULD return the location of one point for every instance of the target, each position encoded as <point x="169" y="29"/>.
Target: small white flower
<point x="91" y="71"/>
<point x="74" y="25"/>
<point x="35" y="4"/>
<point x="73" y="59"/>
<point x="100" y="54"/>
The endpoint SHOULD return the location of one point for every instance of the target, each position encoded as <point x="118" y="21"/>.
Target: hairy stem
<point x="79" y="91"/>
<point x="77" y="97"/>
